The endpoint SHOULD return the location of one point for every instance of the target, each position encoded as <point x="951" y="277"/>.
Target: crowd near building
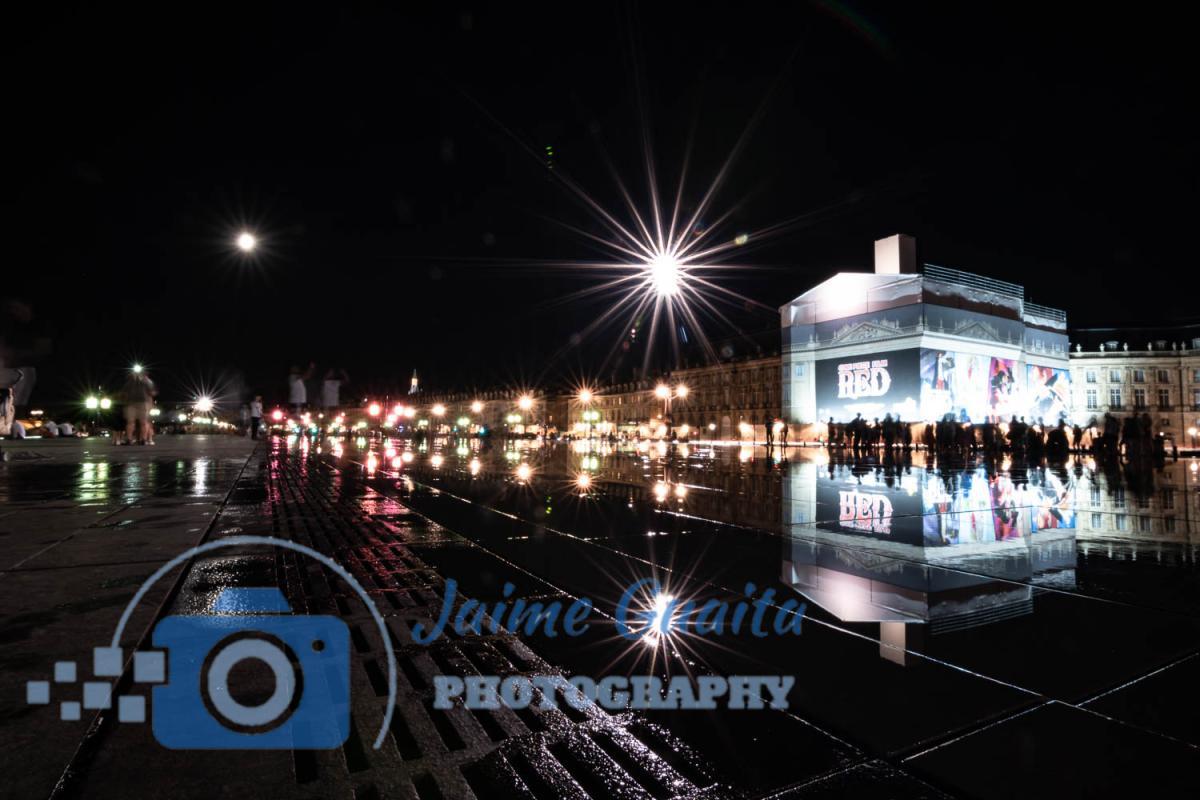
<point x="917" y="342"/>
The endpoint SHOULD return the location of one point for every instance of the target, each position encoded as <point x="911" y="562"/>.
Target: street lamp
<point x="204" y="404"/>
<point x="137" y="369"/>
<point x="585" y="396"/>
<point x="476" y="407"/>
<point x="247" y="242"/>
<point x="525" y="402"/>
<point x="667" y="394"/>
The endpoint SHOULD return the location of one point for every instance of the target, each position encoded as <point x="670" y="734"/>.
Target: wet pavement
<point x="971" y="629"/>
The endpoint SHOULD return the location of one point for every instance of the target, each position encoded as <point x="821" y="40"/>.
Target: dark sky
<point x="394" y="165"/>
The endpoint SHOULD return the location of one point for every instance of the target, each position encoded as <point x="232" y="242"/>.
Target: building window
<point x="1091" y="376"/>
<point x="1139" y="398"/>
<point x="799" y="370"/>
<point x="1097" y="521"/>
<point x="1164" y="398"/>
<point x="1196" y="376"/>
<point x="1122" y="522"/>
<point x="1114" y="397"/>
<point x="1114" y="376"/>
<point x="1092" y="403"/>
<point x="1164" y="376"/>
<point x="1168" y="499"/>
<point x="1144" y="524"/>
<point x="1195" y="399"/>
<point x="1139" y="376"/>
<point x="1169" y="524"/>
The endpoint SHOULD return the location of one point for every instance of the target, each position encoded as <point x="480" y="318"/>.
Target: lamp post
<point x="585" y="399"/>
<point x="525" y="403"/>
<point x="667" y="395"/>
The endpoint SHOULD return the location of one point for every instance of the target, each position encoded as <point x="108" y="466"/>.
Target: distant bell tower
<point x="414" y="386"/>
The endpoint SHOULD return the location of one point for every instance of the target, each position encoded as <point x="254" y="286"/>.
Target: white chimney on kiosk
<point x="896" y="255"/>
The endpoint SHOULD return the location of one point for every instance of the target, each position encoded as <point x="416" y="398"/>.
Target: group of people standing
<point x="858" y="434"/>
<point x="330" y="389"/>
<point x="1134" y="436"/>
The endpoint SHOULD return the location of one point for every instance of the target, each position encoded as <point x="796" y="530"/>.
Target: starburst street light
<point x="665" y="274"/>
<point x="247" y="242"/>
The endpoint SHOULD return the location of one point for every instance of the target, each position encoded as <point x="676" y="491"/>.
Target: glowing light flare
<point x="660" y="619"/>
<point x="476" y="407"/>
<point x="524" y="472"/>
<point x="661" y="491"/>
<point x="374" y="409"/>
<point x="583" y="481"/>
<point x="204" y="404"/>
<point x="247" y="242"/>
<point x="105" y="403"/>
<point x="439" y="410"/>
<point x="585" y="396"/>
<point x="525" y="402"/>
<point x="662" y="391"/>
<point x="474" y="466"/>
<point x="435" y="461"/>
<point x="664" y="274"/>
<point x="277" y="415"/>
<point x="92" y="403"/>
<point x="136" y="369"/>
<point x="407" y="457"/>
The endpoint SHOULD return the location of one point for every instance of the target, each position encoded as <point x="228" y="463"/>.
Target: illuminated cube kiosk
<point x="920" y="344"/>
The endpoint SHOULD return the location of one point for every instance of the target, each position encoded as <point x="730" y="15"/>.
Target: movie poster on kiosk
<point x="1049" y="392"/>
<point x="875" y="384"/>
<point x="954" y="383"/>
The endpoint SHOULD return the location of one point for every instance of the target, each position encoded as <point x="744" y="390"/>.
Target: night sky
<point x="395" y="165"/>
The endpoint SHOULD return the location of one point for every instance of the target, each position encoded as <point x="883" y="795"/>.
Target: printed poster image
<point x="954" y="383"/>
<point x="1049" y="392"/>
<point x="1003" y="391"/>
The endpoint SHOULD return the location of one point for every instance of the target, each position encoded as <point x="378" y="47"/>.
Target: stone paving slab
<point x="83" y="523"/>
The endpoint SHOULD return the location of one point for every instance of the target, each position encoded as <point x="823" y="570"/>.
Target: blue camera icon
<point x="253" y="677"/>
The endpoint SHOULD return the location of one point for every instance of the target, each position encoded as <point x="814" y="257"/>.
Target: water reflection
<point x="895" y="540"/>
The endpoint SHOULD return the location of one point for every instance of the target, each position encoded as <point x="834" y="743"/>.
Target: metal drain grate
<point x="455" y="753"/>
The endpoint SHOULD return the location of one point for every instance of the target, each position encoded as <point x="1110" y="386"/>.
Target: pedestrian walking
<point x="256" y="412"/>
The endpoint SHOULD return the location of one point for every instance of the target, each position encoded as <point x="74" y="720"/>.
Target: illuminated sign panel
<point x="873" y="385"/>
<point x="921" y="384"/>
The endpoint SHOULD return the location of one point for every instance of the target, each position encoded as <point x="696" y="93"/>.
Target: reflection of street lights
<point x="1192" y="434"/>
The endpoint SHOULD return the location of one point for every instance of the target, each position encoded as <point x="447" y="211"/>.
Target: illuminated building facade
<point x="920" y="343"/>
<point x="1132" y="371"/>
